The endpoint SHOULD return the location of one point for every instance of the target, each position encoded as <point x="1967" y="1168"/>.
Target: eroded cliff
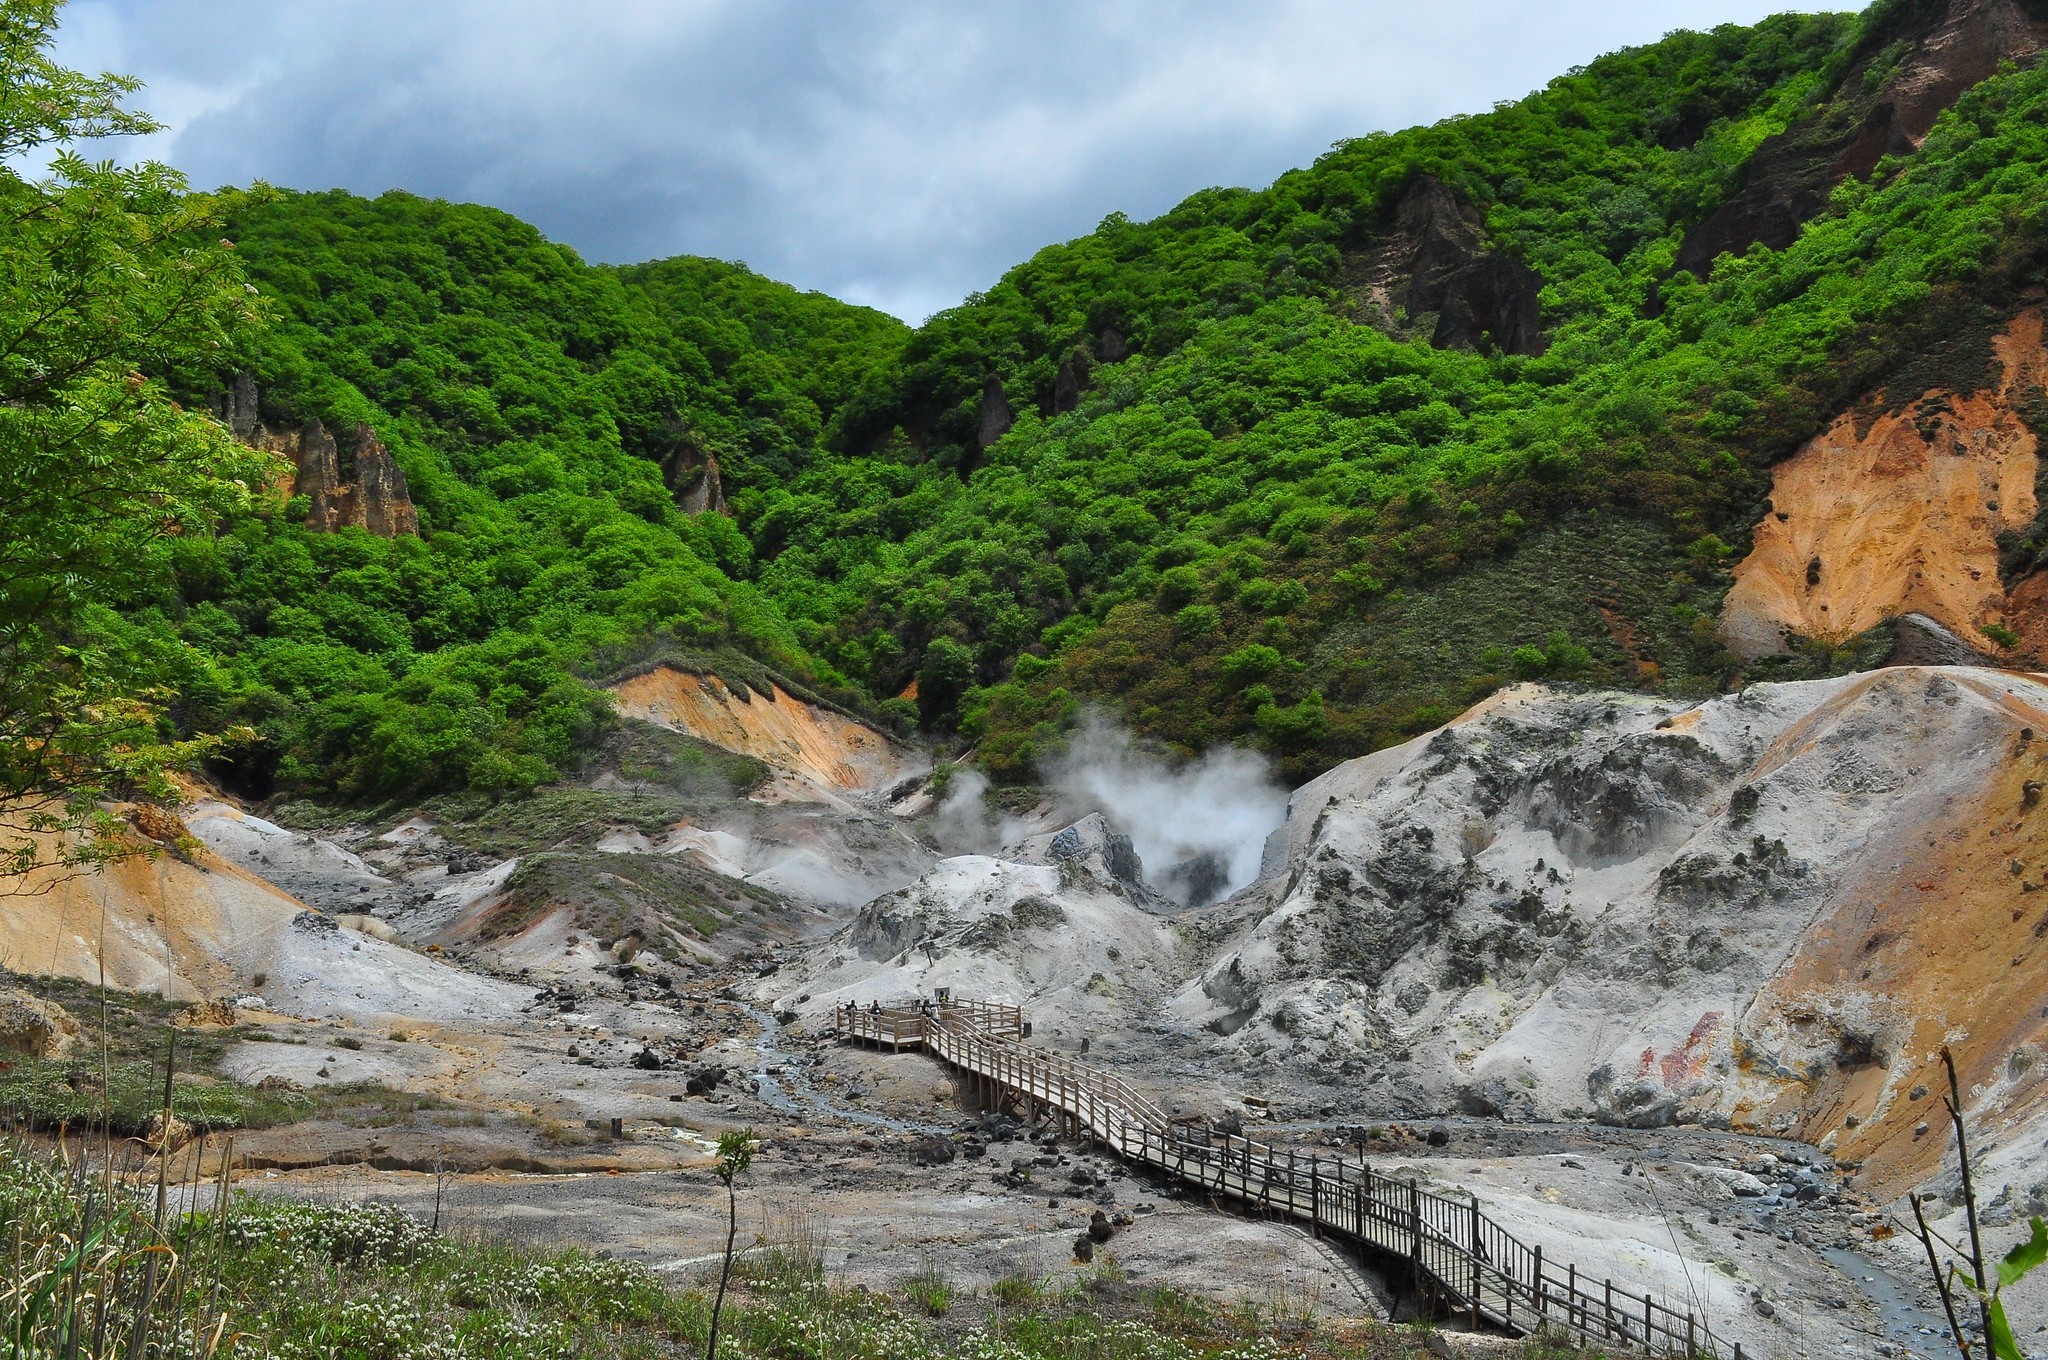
<point x="1904" y="512"/>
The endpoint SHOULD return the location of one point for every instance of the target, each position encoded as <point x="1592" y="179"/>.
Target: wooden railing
<point x="1462" y="1263"/>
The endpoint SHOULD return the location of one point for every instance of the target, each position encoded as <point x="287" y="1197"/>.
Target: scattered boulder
<point x="31" y="1027"/>
<point x="933" y="1150"/>
<point x="1084" y="1249"/>
<point x="208" y="1015"/>
<point x="705" y="1080"/>
<point x="1100" y="1229"/>
<point x="647" y="1060"/>
<point x="167" y="1135"/>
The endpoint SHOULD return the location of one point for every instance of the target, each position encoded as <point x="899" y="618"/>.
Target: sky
<point x="897" y="153"/>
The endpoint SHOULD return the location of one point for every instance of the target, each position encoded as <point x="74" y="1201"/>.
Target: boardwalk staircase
<point x="1460" y="1262"/>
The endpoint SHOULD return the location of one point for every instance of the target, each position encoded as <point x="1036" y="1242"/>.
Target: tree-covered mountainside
<point x="1309" y="467"/>
<point x="534" y="403"/>
<point x="1247" y="496"/>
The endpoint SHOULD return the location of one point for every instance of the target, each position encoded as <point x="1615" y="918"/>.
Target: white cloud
<point x="895" y="152"/>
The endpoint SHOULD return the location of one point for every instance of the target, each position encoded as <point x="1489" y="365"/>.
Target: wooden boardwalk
<point x="1460" y="1262"/>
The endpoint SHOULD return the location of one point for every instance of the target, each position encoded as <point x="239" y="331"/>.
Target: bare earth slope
<point x="206" y="928"/>
<point x="1872" y="520"/>
<point x="814" y="744"/>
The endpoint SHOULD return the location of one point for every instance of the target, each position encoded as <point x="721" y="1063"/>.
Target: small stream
<point x="1920" y="1332"/>
<point x="791" y="1091"/>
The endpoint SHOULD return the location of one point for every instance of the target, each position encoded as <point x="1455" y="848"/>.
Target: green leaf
<point x="2025" y="1256"/>
<point x="2004" y="1346"/>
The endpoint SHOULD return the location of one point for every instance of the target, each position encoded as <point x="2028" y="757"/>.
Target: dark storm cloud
<point x="900" y="154"/>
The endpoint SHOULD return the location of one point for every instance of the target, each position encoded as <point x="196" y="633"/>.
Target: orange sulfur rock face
<point x="1901" y="516"/>
<point x="777" y="728"/>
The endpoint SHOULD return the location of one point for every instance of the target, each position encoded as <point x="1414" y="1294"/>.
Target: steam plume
<point x="1198" y="826"/>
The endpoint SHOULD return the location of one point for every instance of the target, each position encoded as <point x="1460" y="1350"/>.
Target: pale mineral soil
<point x="525" y="1046"/>
<point x="521" y="1146"/>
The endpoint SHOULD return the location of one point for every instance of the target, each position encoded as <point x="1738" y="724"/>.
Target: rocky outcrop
<point x="1067" y="386"/>
<point x="375" y="499"/>
<point x="1767" y="911"/>
<point x="995" y="412"/>
<point x="31" y="1027"/>
<point x="1920" y="641"/>
<point x="1063" y="919"/>
<point x="1887" y="101"/>
<point x="1902" y="513"/>
<point x="1434" y="269"/>
<point x="1490" y="303"/>
<point x="205" y="928"/>
<point x="691" y="475"/>
<point x="816" y="750"/>
<point x="360" y="486"/>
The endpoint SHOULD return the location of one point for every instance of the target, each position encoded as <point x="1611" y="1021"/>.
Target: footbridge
<point x="1461" y="1263"/>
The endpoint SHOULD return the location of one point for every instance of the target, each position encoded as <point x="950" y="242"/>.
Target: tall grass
<point x="147" y="1261"/>
<point x="97" y="1266"/>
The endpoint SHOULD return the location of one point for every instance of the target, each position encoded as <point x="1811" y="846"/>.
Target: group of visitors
<point x="926" y="1007"/>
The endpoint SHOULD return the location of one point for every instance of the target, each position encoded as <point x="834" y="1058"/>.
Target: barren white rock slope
<point x="1767" y="911"/>
<point x="1064" y="923"/>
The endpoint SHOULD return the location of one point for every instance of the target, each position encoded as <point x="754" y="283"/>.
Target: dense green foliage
<point x="107" y="281"/>
<point x="1267" y="509"/>
<point x="530" y="400"/>
<point x="1258" y="526"/>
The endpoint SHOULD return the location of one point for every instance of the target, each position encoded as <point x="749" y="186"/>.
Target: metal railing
<point x="1463" y="1263"/>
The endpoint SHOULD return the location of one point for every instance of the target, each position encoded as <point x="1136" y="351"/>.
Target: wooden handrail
<point x="1466" y="1261"/>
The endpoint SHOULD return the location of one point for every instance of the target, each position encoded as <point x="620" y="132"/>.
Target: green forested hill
<point x="1287" y="517"/>
<point x="1309" y="467"/>
<point x="530" y="399"/>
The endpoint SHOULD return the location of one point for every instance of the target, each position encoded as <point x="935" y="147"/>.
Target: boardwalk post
<point x="1415" y="1231"/>
<point x="1542" y="1311"/>
<point x="1315" y="1196"/>
<point x="1607" y="1316"/>
<point x="1475" y="1263"/>
<point x="1572" y="1308"/>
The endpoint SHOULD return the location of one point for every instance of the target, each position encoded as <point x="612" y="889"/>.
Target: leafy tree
<point x="110" y="280"/>
<point x="735" y="1155"/>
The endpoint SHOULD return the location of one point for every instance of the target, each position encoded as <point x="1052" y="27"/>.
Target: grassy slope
<point x="129" y="1053"/>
